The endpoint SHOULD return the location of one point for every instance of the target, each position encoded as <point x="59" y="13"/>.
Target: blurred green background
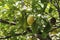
<point x="17" y="11"/>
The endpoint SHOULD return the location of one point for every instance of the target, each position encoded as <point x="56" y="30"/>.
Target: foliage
<point x="14" y="14"/>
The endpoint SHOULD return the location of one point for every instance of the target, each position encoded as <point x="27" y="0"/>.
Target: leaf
<point x="43" y="1"/>
<point x="48" y="26"/>
<point x="44" y="35"/>
<point x="6" y="6"/>
<point x="34" y="27"/>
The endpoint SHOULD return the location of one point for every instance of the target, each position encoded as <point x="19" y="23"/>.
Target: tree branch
<point x="54" y="28"/>
<point x="6" y="22"/>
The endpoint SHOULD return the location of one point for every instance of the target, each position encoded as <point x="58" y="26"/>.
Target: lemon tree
<point x="29" y="19"/>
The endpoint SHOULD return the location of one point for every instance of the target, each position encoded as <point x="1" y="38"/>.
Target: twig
<point x="54" y="29"/>
<point x="6" y="22"/>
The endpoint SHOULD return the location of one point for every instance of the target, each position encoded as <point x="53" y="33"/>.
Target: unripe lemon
<point x="30" y="19"/>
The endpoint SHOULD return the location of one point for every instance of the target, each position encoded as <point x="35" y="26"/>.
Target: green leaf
<point x="48" y="26"/>
<point x="44" y="35"/>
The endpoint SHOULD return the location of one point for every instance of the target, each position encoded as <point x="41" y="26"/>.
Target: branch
<point x="54" y="28"/>
<point x="6" y="22"/>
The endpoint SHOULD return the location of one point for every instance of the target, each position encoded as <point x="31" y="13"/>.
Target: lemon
<point x="30" y="19"/>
